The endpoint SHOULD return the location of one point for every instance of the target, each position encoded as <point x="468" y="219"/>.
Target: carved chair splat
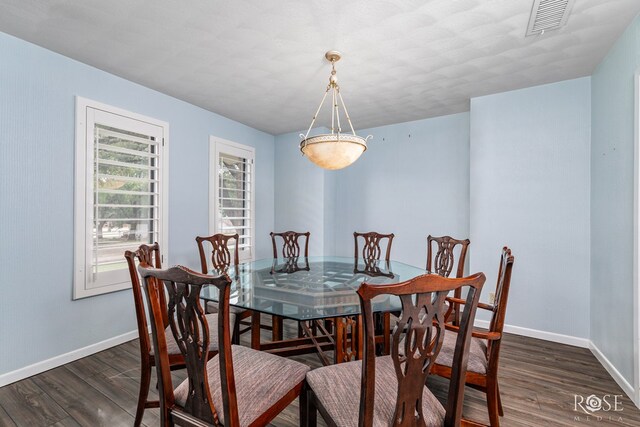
<point x="220" y="254"/>
<point x="371" y="249"/>
<point x="290" y="245"/>
<point x="443" y="260"/>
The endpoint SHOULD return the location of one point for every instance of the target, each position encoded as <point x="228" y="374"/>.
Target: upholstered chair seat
<point x="477" y="353"/>
<point x="337" y="389"/>
<point x="261" y="380"/>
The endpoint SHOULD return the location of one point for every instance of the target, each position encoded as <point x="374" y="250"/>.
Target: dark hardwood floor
<point x="538" y="381"/>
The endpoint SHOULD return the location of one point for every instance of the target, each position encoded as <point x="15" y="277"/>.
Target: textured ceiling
<point x="261" y="62"/>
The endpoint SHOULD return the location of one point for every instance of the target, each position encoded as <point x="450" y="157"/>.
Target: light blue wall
<point x="612" y="151"/>
<point x="530" y="155"/>
<point x="412" y="181"/>
<point x="38" y="319"/>
<point x="299" y="192"/>
<point x="409" y="185"/>
<point x="330" y="211"/>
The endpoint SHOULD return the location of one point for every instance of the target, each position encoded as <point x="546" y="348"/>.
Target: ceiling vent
<point x="547" y="15"/>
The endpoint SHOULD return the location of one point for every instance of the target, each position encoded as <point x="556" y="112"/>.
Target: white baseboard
<point x="543" y="335"/>
<point x="54" y="362"/>
<point x="615" y="374"/>
<point x="575" y="341"/>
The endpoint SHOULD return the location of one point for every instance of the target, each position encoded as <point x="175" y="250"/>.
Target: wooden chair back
<point x="442" y="261"/>
<point x="191" y="331"/>
<point x="290" y="246"/>
<point x="221" y="258"/>
<point x="420" y="330"/>
<point x="500" y="304"/>
<point x="150" y="254"/>
<point x="371" y="249"/>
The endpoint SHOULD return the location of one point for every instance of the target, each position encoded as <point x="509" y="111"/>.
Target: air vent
<point x="547" y="15"/>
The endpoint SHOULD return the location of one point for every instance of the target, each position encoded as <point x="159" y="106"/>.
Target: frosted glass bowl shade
<point x="333" y="151"/>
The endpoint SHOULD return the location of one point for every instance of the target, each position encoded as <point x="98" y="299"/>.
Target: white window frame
<point x="86" y="112"/>
<point x="217" y="146"/>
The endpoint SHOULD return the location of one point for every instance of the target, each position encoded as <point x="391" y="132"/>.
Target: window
<point x="232" y="193"/>
<point x="120" y="193"/>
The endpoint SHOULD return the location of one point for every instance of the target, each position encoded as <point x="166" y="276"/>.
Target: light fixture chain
<point x="315" y="116"/>
<point x="333" y="108"/>
<point x="337" y="90"/>
<point x="346" y="113"/>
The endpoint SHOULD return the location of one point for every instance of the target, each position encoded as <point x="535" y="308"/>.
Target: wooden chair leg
<point x="500" y="410"/>
<point x="492" y="403"/>
<point x="235" y="336"/>
<point x="255" y="330"/>
<point x="276" y="331"/>
<point x="312" y="411"/>
<point x="303" y="406"/>
<point x="386" y="330"/>
<point x="145" y="382"/>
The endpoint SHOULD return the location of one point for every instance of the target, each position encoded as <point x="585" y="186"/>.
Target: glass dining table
<point x="320" y="294"/>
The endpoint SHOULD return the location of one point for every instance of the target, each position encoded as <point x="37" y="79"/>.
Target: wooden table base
<point x="342" y="335"/>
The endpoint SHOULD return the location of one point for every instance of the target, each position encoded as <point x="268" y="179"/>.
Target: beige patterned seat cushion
<point x="212" y="321"/>
<point x="262" y="379"/>
<point x="337" y="387"/>
<point x="477" y="353"/>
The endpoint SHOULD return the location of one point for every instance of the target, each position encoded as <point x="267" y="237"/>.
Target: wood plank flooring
<point x="538" y="381"/>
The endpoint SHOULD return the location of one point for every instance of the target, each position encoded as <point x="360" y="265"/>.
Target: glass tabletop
<point x="312" y="288"/>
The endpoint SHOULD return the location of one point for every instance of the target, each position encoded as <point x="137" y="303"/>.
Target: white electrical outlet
<point x="492" y="297"/>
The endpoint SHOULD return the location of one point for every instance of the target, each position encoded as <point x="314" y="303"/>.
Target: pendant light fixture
<point x="335" y="150"/>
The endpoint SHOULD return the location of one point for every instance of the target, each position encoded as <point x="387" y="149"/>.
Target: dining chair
<point x="391" y="390"/>
<point x="238" y="387"/>
<point x="290" y="244"/>
<point x="221" y="260"/>
<point x="443" y="259"/>
<point x="370" y="256"/>
<point x="150" y="255"/>
<point x="291" y="252"/>
<point x="482" y="373"/>
<point x="371" y="249"/>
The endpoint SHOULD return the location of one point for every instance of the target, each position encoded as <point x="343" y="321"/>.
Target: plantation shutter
<point x="235" y="198"/>
<point x="120" y="194"/>
<point x="126" y="198"/>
